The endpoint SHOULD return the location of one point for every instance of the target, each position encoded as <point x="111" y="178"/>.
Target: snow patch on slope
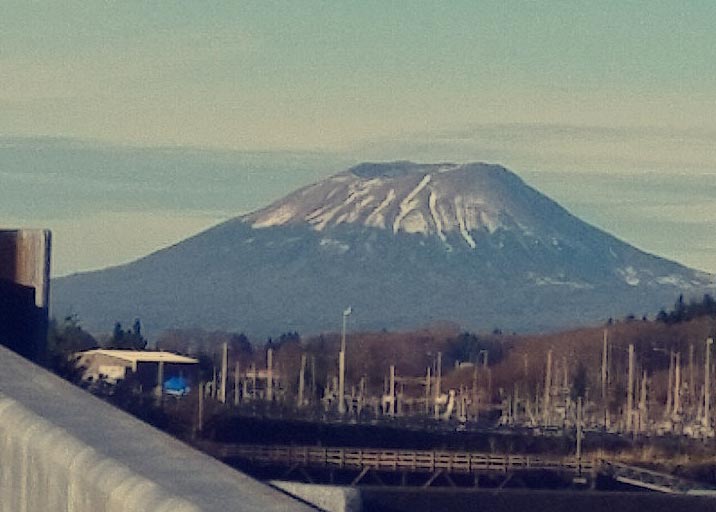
<point x="319" y="222"/>
<point x="490" y="223"/>
<point x="432" y="202"/>
<point x="376" y="218"/>
<point x="630" y="275"/>
<point x="559" y="281"/>
<point x="276" y="217"/>
<point x="675" y="281"/>
<point x="459" y="212"/>
<point x="414" y="222"/>
<point x="409" y="203"/>
<point x="334" y="245"/>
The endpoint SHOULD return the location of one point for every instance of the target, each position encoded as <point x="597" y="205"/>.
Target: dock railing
<point x="421" y="461"/>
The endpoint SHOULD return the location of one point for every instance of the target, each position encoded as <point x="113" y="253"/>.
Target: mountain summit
<point x="449" y="201"/>
<point x="405" y="244"/>
<point x="403" y="197"/>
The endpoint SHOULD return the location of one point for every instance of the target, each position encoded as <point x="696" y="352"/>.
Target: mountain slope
<point x="405" y="244"/>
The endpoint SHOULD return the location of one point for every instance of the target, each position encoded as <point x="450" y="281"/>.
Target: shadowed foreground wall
<point x="63" y="449"/>
<point x="24" y="290"/>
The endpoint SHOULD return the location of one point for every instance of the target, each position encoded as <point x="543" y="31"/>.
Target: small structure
<point x="152" y="368"/>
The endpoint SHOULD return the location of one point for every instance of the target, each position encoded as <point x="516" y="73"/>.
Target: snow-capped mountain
<point x="408" y="198"/>
<point x="405" y="244"/>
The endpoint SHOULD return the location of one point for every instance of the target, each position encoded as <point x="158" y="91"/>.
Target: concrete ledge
<point x="63" y="449"/>
<point x="327" y="497"/>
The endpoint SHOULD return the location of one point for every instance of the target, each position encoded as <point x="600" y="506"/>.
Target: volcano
<point x="404" y="244"/>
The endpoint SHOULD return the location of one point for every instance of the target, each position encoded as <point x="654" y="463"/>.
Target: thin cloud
<point x="551" y="147"/>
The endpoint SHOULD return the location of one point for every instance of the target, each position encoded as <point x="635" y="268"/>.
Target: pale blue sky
<point x="576" y="96"/>
<point x="297" y="74"/>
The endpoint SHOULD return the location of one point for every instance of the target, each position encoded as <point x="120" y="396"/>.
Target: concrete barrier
<point x="63" y="449"/>
<point x="330" y="498"/>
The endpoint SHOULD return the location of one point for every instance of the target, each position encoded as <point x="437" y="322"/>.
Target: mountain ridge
<point x="406" y="244"/>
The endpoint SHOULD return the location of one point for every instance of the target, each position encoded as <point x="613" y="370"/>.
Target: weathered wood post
<point x="159" y="389"/>
<point x="301" y="380"/>
<point x="253" y="380"/>
<point x="643" y="416"/>
<point x="200" y="414"/>
<point x="391" y="391"/>
<point x="438" y="384"/>
<point x="237" y="373"/>
<point x="269" y="375"/>
<point x="427" y="392"/>
<point x="224" y="371"/>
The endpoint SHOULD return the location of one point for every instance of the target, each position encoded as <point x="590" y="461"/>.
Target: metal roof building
<point x="111" y="365"/>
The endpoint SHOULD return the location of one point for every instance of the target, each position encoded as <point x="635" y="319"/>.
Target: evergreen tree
<point x="129" y="339"/>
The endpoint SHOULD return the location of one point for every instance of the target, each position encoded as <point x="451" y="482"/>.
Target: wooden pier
<point x="654" y="480"/>
<point x="448" y="464"/>
<point x="434" y="463"/>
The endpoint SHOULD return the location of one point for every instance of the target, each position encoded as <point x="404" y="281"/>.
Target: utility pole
<point x="438" y="384"/>
<point x="301" y="380"/>
<point x="391" y="391"/>
<point x="427" y="392"/>
<point x="670" y="387"/>
<point x="224" y="371"/>
<point x="692" y="391"/>
<point x="547" y="388"/>
<point x="677" y="384"/>
<point x="630" y="389"/>
<point x="604" y="366"/>
<point x="474" y="386"/>
<point x="253" y="380"/>
<point x="269" y="375"/>
<point x="342" y="365"/>
<point x="313" y="378"/>
<point x="605" y="382"/>
<point x="579" y="433"/>
<point x="706" y="421"/>
<point x="237" y="372"/>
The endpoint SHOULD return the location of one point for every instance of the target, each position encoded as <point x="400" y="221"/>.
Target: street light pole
<point x="342" y="365"/>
